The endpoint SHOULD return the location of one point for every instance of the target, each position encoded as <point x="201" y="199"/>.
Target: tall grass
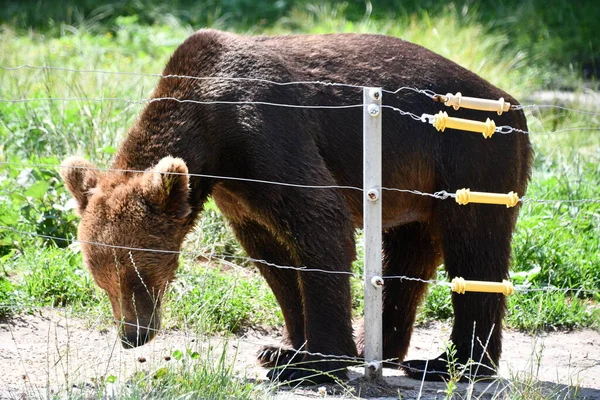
<point x="554" y="31"/>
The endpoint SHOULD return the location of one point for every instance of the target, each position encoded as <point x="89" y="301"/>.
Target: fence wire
<point x="287" y="359"/>
<point x="440" y="195"/>
<point x="504" y="129"/>
<point x="427" y="92"/>
<point x="184" y="101"/>
<point x="223" y="256"/>
<point x="556" y="106"/>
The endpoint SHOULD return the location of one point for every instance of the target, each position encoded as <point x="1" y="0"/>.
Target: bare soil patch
<point x="53" y="353"/>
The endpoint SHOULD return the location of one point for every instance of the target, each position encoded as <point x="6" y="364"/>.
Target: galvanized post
<point x="373" y="326"/>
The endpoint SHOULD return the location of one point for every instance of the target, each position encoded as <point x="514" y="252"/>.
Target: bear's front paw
<point x="438" y="370"/>
<point x="311" y="372"/>
<point x="273" y="356"/>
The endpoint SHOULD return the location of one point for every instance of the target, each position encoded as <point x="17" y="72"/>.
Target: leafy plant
<point x="204" y="371"/>
<point x="34" y="200"/>
<point x="8" y="300"/>
<point x="438" y="303"/>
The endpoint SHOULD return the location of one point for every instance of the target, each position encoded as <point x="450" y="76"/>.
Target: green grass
<point x="199" y="371"/>
<point x="552" y="31"/>
<point x="556" y="245"/>
<point x="10" y="303"/>
<point x="215" y="301"/>
<point x="55" y="278"/>
<point x="204" y="297"/>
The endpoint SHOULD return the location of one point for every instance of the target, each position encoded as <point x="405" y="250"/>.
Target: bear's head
<point x="131" y="230"/>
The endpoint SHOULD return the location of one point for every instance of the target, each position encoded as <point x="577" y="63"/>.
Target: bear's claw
<point x="273" y="356"/>
<point x="289" y="366"/>
<point x="307" y="373"/>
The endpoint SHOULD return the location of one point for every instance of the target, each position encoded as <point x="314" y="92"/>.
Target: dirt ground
<point x="52" y="353"/>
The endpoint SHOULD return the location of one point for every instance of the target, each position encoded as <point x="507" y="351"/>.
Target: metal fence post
<point x="373" y="326"/>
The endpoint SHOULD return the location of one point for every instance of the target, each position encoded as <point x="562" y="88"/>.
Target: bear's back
<point x="255" y="63"/>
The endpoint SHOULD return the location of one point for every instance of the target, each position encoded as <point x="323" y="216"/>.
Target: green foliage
<point x="438" y="303"/>
<point x="356" y="282"/>
<point x="557" y="245"/>
<point x="454" y="374"/>
<point x="100" y="17"/>
<point x="8" y="301"/>
<point x="213" y="238"/>
<point x="228" y="297"/>
<point x="34" y="200"/>
<point x="54" y="277"/>
<point x="11" y="297"/>
<point x="199" y="372"/>
<point x="562" y="240"/>
<point x="543" y="311"/>
<point x="555" y="31"/>
<point x="212" y="300"/>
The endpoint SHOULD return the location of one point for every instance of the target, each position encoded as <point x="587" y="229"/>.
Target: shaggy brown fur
<point x="307" y="227"/>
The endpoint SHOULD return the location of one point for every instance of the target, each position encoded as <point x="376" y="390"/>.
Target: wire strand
<point x="527" y="106"/>
<point x="184" y="101"/>
<point x="504" y="129"/>
<point x="170" y="76"/>
<point x="440" y="195"/>
<point x="427" y="92"/>
<point x="526" y="200"/>
<point x="518" y="288"/>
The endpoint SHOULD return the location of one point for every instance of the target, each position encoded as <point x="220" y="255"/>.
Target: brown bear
<point x="299" y="226"/>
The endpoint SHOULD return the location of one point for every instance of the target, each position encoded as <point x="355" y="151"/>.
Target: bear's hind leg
<point x="476" y="246"/>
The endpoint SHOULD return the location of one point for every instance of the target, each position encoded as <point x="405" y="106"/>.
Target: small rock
<point x="322" y="391"/>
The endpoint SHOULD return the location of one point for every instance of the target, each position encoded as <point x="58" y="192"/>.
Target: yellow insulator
<point x="465" y="196"/>
<point x="441" y="121"/>
<point x="458" y="100"/>
<point x="460" y="286"/>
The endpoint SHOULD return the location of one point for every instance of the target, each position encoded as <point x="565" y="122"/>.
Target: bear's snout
<point x="135" y="336"/>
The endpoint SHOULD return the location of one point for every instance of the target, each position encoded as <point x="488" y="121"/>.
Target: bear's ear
<point x="167" y="184"/>
<point x="80" y="177"/>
